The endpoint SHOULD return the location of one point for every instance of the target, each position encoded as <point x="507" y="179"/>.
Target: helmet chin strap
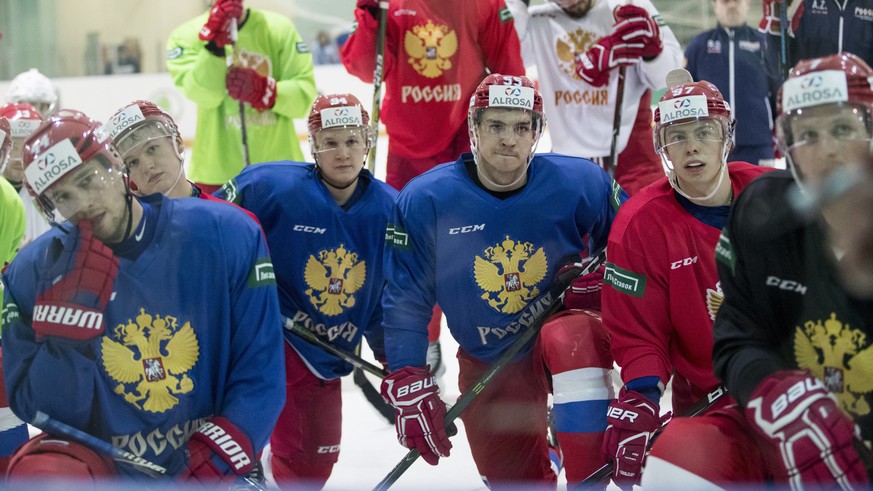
<point x="500" y="187"/>
<point x="674" y="179"/>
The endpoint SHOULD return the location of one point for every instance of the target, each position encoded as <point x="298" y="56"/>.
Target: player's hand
<point x="584" y="292"/>
<point x="420" y="413"/>
<point x="72" y="306"/>
<point x="217" y="27"/>
<point x="218" y="451"/>
<point x="631" y="420"/>
<point x="816" y="439"/>
<point x="771" y="21"/>
<point x="636" y="24"/>
<point x="611" y="51"/>
<point x="247" y="85"/>
<point x="371" y="6"/>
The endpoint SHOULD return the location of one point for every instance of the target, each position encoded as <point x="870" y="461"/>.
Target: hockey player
<point x="791" y="344"/>
<point x="334" y="213"/>
<point x="435" y="55"/>
<point x="23" y="119"/>
<point x="272" y="74"/>
<point x="102" y="332"/>
<point x="661" y="286"/>
<point x="580" y="98"/>
<point x="34" y="88"/>
<point x="482" y="236"/>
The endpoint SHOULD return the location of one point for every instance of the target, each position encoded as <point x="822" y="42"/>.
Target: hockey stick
<point x="377" y="83"/>
<point x="597" y="478"/>
<point x="234" y="35"/>
<point x="351" y="358"/>
<point x="533" y="317"/>
<point x="783" y="39"/>
<point x="612" y="163"/>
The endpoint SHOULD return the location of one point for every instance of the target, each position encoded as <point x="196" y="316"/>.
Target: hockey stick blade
<point x="533" y="316"/>
<point x="54" y="427"/>
<point x="602" y="474"/>
<point x="351" y="358"/>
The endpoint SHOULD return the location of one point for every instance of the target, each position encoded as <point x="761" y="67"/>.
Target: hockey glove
<point x="371" y="6"/>
<point x="584" y="292"/>
<point x="594" y="65"/>
<point x="635" y="24"/>
<point x="420" y="413"/>
<point x="631" y="419"/>
<point x="218" y="451"/>
<point x="247" y="85"/>
<point x="816" y="439"/>
<point x="72" y="307"/>
<point x="771" y="21"/>
<point x="217" y="27"/>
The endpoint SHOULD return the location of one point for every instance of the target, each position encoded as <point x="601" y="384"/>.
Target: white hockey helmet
<point x="34" y="88"/>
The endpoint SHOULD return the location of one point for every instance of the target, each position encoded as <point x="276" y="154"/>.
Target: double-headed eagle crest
<point x="568" y="46"/>
<point x="510" y="270"/>
<point x="840" y="357"/>
<point x="154" y="353"/>
<point x="333" y="278"/>
<point x="429" y="48"/>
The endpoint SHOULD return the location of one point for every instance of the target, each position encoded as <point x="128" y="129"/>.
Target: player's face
<point x="93" y="192"/>
<point x="695" y="150"/>
<point x="828" y="137"/>
<point x="731" y="13"/>
<point x="153" y="164"/>
<point x="340" y="153"/>
<point x="506" y="138"/>
<point x="575" y="8"/>
<point x="14" y="171"/>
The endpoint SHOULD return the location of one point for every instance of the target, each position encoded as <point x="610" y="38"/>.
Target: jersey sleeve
<point x="294" y="74"/>
<point x="498" y="39"/>
<point x="409" y="294"/>
<point x="521" y="20"/>
<point x="358" y="54"/>
<point x="196" y="72"/>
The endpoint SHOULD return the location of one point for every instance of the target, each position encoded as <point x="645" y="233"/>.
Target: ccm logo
<point x="683" y="262"/>
<point x="415" y="387"/>
<point x="789" y="285"/>
<point x="308" y="229"/>
<point x="794" y="393"/>
<point x="466" y="229"/>
<point x="329" y="449"/>
<point x="621" y="414"/>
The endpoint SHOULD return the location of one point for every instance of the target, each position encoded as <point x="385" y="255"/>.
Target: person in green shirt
<point x="271" y="73"/>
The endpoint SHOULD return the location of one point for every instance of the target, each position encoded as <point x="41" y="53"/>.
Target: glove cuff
<point x="228" y="442"/>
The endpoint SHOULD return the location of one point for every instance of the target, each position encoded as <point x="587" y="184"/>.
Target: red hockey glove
<point x="217" y="27"/>
<point x="73" y="306"/>
<point x="771" y="21"/>
<point x="631" y="420"/>
<point x="636" y="24"/>
<point x="816" y="439"/>
<point x="610" y="51"/>
<point x="247" y="85"/>
<point x="420" y="416"/>
<point x="371" y="6"/>
<point x="218" y="451"/>
<point x="584" y="292"/>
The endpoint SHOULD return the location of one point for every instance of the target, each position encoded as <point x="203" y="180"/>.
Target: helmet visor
<point x="141" y="134"/>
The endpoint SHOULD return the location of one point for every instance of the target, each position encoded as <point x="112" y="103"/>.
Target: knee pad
<point x="47" y="457"/>
<point x="573" y="339"/>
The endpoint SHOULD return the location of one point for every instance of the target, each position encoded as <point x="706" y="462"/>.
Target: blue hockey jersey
<point x="328" y="260"/>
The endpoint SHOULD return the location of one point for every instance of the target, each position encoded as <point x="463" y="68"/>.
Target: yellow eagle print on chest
<point x="508" y="273"/>
<point x="154" y="355"/>
<point x="333" y="278"/>
<point x="429" y="48"/>
<point x="568" y="46"/>
<point x="840" y="357"/>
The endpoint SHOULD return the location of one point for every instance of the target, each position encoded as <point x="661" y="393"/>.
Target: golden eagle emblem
<point x="840" y="357"/>
<point x="429" y="48"/>
<point x="714" y="299"/>
<point x="333" y="278"/>
<point x="509" y="273"/>
<point x="569" y="45"/>
<point x="154" y="353"/>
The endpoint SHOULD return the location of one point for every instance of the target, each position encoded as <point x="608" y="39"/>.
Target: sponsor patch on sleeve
<point x="625" y="281"/>
<point x="262" y="273"/>
<point x="724" y="252"/>
<point x="10" y="315"/>
<point x="231" y="192"/>
<point x="615" y="197"/>
<point x="396" y="236"/>
<point x="505" y="14"/>
<point x="174" y="53"/>
<point x="302" y="47"/>
<point x="660" y="20"/>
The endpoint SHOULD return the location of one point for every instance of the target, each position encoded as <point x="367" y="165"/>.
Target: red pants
<point x="638" y="164"/>
<point x="306" y="440"/>
<point x="401" y="170"/>
<point x="506" y="424"/>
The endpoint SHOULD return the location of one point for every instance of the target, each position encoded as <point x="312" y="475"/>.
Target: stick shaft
<point x="377" y="82"/>
<point x="351" y="358"/>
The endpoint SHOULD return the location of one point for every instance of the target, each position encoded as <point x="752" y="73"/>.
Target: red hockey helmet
<point x="336" y="111"/>
<point x="139" y="122"/>
<point x="688" y="102"/>
<point x="23" y="120"/>
<point x="64" y="142"/>
<point x="5" y="141"/>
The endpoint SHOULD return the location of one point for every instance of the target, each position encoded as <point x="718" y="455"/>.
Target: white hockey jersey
<point x="580" y="116"/>
<point x="35" y="222"/>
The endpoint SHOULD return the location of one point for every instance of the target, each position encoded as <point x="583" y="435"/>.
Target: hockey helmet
<point x="338" y="111"/>
<point x="5" y="141"/>
<point x="23" y="120"/>
<point x="35" y="88"/>
<point x="139" y="122"/>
